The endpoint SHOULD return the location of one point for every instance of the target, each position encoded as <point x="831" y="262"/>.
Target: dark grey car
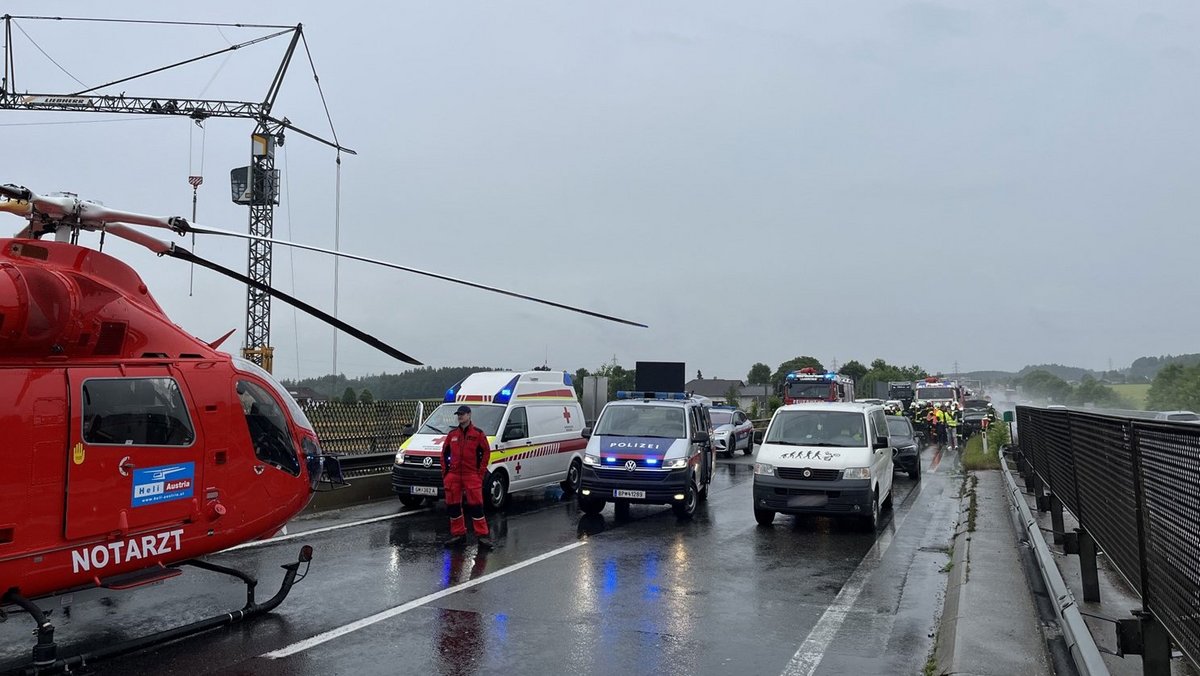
<point x="906" y="453"/>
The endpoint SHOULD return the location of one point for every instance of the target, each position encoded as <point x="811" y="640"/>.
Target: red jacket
<point x="466" y="452"/>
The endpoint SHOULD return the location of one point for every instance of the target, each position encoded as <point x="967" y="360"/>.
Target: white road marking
<point x="812" y="651"/>
<point x="415" y="603"/>
<point x="317" y="531"/>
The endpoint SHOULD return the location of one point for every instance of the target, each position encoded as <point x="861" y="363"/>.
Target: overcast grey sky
<point x="992" y="183"/>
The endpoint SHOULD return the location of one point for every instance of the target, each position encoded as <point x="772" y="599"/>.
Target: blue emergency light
<point x="679" y="396"/>
<point x="651" y="461"/>
<point x="505" y="394"/>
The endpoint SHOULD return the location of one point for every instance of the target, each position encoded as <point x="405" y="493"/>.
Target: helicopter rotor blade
<point x="182" y="226"/>
<point x="167" y="249"/>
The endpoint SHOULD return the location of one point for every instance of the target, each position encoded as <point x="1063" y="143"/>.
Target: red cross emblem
<point x="518" y="467"/>
<point x="567" y="414"/>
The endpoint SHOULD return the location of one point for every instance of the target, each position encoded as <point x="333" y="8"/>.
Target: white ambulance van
<point x="533" y="422"/>
<point x="824" y="458"/>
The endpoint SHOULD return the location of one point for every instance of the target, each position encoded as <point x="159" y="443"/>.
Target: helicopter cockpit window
<point x="273" y="442"/>
<point x="135" y="412"/>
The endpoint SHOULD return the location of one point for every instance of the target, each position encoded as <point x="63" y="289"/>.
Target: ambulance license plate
<point x="425" y="490"/>
<point x="636" y="495"/>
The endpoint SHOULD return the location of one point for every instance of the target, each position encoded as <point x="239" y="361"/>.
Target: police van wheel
<point x="685" y="508"/>
<point x="590" y="505"/>
<point x="574" y="476"/>
<point x="413" y="501"/>
<point x="495" y="491"/>
<point x="764" y="517"/>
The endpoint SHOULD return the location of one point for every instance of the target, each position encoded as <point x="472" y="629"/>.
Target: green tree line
<point x="1058" y="391"/>
<point x="420" y="383"/>
<point x="1176" y="387"/>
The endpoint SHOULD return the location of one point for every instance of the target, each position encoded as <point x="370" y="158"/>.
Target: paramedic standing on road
<point x="465" y="456"/>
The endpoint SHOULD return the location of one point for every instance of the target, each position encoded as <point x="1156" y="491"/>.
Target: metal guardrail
<point x="1084" y="652"/>
<point x="1134" y="487"/>
<point x="366" y="464"/>
<point x="374" y="428"/>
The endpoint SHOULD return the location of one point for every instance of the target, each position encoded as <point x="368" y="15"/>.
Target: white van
<point x="824" y="458"/>
<point x="532" y="420"/>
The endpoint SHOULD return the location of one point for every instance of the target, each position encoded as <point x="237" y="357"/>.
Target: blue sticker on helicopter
<point x="155" y="485"/>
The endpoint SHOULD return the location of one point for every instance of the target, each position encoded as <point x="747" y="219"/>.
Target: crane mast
<point x="255" y="186"/>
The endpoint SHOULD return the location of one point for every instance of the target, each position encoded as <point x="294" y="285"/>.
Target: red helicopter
<point x="134" y="447"/>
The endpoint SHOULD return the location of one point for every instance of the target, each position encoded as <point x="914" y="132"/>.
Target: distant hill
<point x="420" y="383"/>
<point x="989" y="377"/>
<point x="1148" y="367"/>
<point x="1067" y="373"/>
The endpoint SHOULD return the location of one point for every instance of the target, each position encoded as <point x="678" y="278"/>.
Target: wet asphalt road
<point x="564" y="593"/>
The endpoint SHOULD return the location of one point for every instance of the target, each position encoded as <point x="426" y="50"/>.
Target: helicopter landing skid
<point x="45" y="652"/>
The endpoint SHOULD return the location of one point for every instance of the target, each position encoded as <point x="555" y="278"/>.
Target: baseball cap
<point x="462" y="409"/>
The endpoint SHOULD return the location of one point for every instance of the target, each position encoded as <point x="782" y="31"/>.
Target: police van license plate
<point x="425" y="490"/>
<point x="637" y="495"/>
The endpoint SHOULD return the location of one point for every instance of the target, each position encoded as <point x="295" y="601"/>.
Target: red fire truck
<point x="809" y="385"/>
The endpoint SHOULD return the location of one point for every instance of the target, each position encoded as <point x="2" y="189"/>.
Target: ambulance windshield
<point x="642" y="420"/>
<point x="484" y="416"/>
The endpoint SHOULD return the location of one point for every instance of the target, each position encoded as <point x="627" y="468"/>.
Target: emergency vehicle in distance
<point x="901" y="391"/>
<point x="650" y="448"/>
<point x="934" y="390"/>
<point x="809" y="385"/>
<point x="534" y="425"/>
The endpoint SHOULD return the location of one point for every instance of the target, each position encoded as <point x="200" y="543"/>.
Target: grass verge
<point x="1134" y="394"/>
<point x="974" y="458"/>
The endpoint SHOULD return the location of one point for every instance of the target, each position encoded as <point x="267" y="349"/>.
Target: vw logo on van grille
<point x="807" y="473"/>
<point x="427" y="462"/>
<point x="631" y="465"/>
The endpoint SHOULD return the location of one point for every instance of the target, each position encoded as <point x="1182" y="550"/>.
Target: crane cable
<point x="337" y="197"/>
<point x="287" y="195"/>
<point x="195" y="185"/>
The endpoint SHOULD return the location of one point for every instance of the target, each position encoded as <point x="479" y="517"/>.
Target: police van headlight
<point x="675" y="463"/>
<point x="400" y="457"/>
<point x="589" y="459"/>
<point x="857" y="473"/>
<point x="764" y="469"/>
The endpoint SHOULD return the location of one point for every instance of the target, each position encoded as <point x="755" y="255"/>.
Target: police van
<point x="824" y="458"/>
<point x="651" y="448"/>
<point x="534" y="425"/>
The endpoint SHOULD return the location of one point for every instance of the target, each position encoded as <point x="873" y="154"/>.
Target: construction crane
<point x="256" y="186"/>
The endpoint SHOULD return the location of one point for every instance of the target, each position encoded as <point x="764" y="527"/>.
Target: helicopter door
<point x="134" y="460"/>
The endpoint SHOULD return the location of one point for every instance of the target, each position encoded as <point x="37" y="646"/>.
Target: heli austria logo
<point x="156" y="485"/>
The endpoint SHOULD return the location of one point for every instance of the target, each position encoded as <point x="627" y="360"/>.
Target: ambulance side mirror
<point x="408" y="430"/>
<point x="587" y="433"/>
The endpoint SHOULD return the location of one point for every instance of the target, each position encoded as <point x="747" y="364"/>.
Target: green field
<point x="1134" y="394"/>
